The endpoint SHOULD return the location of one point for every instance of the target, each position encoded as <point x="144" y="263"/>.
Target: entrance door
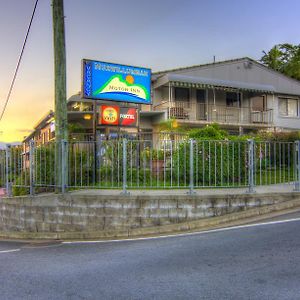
<point x="201" y="105"/>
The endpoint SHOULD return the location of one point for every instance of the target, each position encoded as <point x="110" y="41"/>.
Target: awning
<point x="202" y="82"/>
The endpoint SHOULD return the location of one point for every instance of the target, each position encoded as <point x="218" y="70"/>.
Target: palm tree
<point x="273" y="59"/>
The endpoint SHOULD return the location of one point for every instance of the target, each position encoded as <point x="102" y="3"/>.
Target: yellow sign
<point x="110" y="115"/>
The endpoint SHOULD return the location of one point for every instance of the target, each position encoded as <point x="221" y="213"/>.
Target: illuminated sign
<point x="128" y="116"/>
<point x="115" y="115"/>
<point x="110" y="114"/>
<point x="115" y="82"/>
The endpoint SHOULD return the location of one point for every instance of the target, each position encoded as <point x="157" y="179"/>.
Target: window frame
<point x="287" y="113"/>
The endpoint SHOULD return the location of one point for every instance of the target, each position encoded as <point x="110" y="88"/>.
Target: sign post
<point x="61" y="130"/>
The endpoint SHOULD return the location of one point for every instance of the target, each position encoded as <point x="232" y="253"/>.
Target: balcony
<point x="208" y="113"/>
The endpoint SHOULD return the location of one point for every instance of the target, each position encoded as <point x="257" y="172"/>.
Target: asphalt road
<point x="256" y="262"/>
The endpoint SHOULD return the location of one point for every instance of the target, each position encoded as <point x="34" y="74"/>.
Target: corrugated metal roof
<point x="201" y="82"/>
<point x="203" y="65"/>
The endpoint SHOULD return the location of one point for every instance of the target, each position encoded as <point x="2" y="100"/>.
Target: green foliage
<point x="152" y="154"/>
<point x="284" y="58"/>
<point x="171" y="125"/>
<point x="20" y="183"/>
<point x="209" y="132"/>
<point x="44" y="164"/>
<point x="216" y="163"/>
<point x="278" y="136"/>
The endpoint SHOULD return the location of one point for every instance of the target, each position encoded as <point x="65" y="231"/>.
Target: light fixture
<point x="87" y="116"/>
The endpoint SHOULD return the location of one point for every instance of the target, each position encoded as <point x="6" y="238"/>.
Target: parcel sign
<point x="120" y="116"/>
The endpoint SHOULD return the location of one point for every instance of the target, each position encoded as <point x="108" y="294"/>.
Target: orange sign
<point x="109" y="114"/>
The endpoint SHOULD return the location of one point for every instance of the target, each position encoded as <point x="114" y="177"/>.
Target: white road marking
<point x="8" y="251"/>
<point x="185" y="234"/>
<point x="33" y="246"/>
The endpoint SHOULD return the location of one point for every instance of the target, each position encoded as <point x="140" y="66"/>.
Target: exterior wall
<point x="74" y="215"/>
<point x="237" y="71"/>
<point x="233" y="116"/>
<point x="284" y="123"/>
<point x="146" y="123"/>
<point x="248" y="71"/>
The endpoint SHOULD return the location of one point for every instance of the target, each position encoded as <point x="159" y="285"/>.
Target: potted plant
<point x="158" y="160"/>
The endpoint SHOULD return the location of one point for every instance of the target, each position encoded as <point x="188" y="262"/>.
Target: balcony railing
<point x="216" y="113"/>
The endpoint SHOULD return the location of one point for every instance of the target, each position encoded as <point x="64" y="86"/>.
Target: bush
<point x="291" y="136"/>
<point x="215" y="163"/>
<point x="209" y="132"/>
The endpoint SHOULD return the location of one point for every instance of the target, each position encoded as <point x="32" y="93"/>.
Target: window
<point x="182" y="94"/>
<point x="288" y="107"/>
<point x="233" y="99"/>
<point x="259" y="103"/>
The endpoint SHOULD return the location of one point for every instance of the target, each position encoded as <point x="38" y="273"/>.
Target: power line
<point x="19" y="62"/>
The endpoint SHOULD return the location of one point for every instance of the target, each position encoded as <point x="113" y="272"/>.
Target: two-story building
<point x="240" y="95"/>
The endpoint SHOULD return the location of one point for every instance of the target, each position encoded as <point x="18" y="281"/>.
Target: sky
<point x="157" y="34"/>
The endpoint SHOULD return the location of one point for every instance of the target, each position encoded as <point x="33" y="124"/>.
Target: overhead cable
<point x="19" y="62"/>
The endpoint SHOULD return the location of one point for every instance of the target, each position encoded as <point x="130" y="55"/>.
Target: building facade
<point x="240" y="95"/>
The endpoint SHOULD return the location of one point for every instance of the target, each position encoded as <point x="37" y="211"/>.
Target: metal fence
<point x="147" y="164"/>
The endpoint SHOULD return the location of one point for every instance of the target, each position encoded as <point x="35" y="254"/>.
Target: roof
<point x="203" y="65"/>
<point x="157" y="75"/>
<point x="200" y="82"/>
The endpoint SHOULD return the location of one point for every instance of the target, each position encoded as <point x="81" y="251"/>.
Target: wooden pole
<point x="61" y="130"/>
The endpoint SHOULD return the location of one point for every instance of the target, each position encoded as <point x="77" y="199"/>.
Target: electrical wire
<point x="19" y="62"/>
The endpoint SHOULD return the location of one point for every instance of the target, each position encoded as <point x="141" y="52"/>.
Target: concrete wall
<point x="74" y="214"/>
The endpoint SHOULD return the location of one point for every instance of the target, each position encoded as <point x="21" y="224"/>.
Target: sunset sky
<point x="157" y="34"/>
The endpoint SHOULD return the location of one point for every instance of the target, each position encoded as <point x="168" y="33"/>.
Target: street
<point x="248" y="262"/>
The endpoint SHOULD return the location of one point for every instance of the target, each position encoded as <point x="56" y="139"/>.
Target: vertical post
<point x="297" y="166"/>
<point x="31" y="167"/>
<point x="169" y="108"/>
<point x="60" y="85"/>
<point x="8" y="170"/>
<point x="95" y="141"/>
<point x="191" y="186"/>
<point x="64" y="160"/>
<point x="251" y="166"/>
<point x="125" y="192"/>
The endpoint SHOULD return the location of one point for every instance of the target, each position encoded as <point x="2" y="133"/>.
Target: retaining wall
<point x="78" y="216"/>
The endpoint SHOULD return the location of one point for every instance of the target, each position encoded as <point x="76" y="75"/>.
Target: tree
<point x="284" y="58"/>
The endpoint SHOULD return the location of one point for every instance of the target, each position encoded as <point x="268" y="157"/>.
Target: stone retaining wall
<point x="70" y="213"/>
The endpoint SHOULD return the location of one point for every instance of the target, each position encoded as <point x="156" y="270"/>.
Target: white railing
<point x="215" y="113"/>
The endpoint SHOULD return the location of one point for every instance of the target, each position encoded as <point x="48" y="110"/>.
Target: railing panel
<point x="274" y="163"/>
<point x="215" y="113"/>
<point x="2" y="169"/>
<point x="163" y="164"/>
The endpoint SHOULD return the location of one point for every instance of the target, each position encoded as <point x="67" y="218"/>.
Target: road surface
<point x="254" y="262"/>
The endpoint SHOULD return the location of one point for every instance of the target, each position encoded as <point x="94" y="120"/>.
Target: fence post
<point x="8" y="170"/>
<point x="125" y="192"/>
<point x="251" y="166"/>
<point x="297" y="166"/>
<point x="64" y="171"/>
<point x="191" y="186"/>
<point x="31" y="167"/>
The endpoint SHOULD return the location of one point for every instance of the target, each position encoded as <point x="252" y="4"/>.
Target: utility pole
<point x="61" y="130"/>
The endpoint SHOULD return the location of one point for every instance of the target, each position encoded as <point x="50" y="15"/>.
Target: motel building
<point x="241" y="95"/>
